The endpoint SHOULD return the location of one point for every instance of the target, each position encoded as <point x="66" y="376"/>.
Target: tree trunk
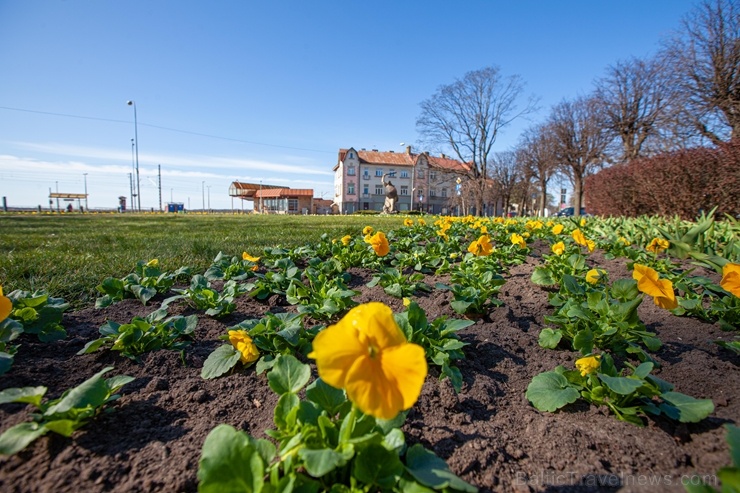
<point x="543" y="197"/>
<point x="577" y="193"/>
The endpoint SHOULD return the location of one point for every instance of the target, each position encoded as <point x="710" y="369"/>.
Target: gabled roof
<point x="390" y="158"/>
<point x="284" y="192"/>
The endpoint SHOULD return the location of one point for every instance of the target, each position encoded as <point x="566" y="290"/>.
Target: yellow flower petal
<point x="6" y="306"/>
<point x="588" y="365"/>
<point x="346" y="239"/>
<point x="243" y="343"/>
<point x="578" y="237"/>
<point x="366" y="354"/>
<point x="731" y="278"/>
<point x="557" y="229"/>
<point x="558" y="248"/>
<point x="248" y="257"/>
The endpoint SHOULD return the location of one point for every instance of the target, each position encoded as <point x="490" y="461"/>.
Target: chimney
<point x="443" y="156"/>
<point x="408" y="149"/>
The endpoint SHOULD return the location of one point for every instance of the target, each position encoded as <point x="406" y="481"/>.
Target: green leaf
<point x="19" y="436"/>
<point x="93" y="346"/>
<point x="571" y="285"/>
<point x="325" y="396"/>
<point x="550" y="338"/>
<point x="229" y="463"/>
<point x="430" y="470"/>
<point x="285" y="410"/>
<point x="550" y="391"/>
<point x="584" y="341"/>
<point x="319" y="462"/>
<point x="690" y="410"/>
<point x="91" y="392"/>
<point x="64" y="427"/>
<point x="376" y="465"/>
<point x="621" y="385"/>
<point x="453" y="373"/>
<point x="542" y="277"/>
<point x="220" y="361"/>
<point x="6" y="362"/>
<point x="29" y="395"/>
<point x="733" y="439"/>
<point x="288" y="375"/>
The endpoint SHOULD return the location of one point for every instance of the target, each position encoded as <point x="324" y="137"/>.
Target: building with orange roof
<point x="424" y="182"/>
<point x="272" y="199"/>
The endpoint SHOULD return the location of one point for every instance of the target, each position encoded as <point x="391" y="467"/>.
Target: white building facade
<point x="424" y="183"/>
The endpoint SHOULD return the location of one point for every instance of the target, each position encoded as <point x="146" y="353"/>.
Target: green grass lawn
<point x="69" y="254"/>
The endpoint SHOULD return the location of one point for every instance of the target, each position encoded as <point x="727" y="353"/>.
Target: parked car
<point x="568" y="211"/>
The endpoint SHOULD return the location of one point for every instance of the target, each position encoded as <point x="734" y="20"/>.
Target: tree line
<point x="685" y="96"/>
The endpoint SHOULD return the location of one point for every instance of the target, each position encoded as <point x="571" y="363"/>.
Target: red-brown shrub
<point x="681" y="182"/>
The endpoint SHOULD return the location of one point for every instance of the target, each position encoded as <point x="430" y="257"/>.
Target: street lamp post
<point x="413" y="172"/>
<point x="86" y="206"/>
<point x="136" y="137"/>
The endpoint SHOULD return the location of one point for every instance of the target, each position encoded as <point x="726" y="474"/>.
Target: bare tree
<point x="467" y="116"/>
<point x="633" y="100"/>
<point x="506" y="175"/>
<point x="536" y="155"/>
<point x="579" y="142"/>
<point x="705" y="58"/>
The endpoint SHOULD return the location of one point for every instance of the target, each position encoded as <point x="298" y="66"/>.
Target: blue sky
<point x="270" y="90"/>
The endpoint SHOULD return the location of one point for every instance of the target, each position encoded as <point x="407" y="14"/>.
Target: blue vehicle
<point x="568" y="211"/>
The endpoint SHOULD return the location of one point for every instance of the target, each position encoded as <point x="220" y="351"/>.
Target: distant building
<point x="272" y="199"/>
<point x="424" y="182"/>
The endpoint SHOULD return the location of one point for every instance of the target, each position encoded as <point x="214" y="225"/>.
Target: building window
<point x="432" y="192"/>
<point x="351" y="155"/>
<point x="350" y="170"/>
<point x="350" y="188"/>
<point x="378" y="189"/>
<point x="444" y="192"/>
<point x="366" y="189"/>
<point x="366" y="174"/>
<point x="433" y="175"/>
<point x="293" y="205"/>
<point x="379" y="172"/>
<point x="404" y="190"/>
<point x="404" y="174"/>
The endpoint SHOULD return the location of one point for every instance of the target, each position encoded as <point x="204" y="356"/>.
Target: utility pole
<point x="203" y="193"/>
<point x="86" y="206"/>
<point x="159" y="172"/>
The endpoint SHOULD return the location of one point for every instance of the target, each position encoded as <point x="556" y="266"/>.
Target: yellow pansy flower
<point x="583" y="222"/>
<point x="657" y="245"/>
<point x="153" y="263"/>
<point x="578" y="237"/>
<point x="367" y="230"/>
<point x="588" y="365"/>
<point x="346" y="239"/>
<point x="406" y="302"/>
<point x="660" y="289"/>
<point x="422" y="222"/>
<point x="594" y="275"/>
<point x="408" y="222"/>
<point x="379" y="243"/>
<point x="243" y="343"/>
<point x="6" y="306"/>
<point x="517" y="239"/>
<point x="730" y="279"/>
<point x="481" y="247"/>
<point x="590" y="244"/>
<point x="367" y="355"/>
<point x="248" y="257"/>
<point x="557" y="229"/>
<point x="558" y="248"/>
<point x="624" y="241"/>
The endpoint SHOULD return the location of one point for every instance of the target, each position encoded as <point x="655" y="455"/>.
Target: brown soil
<point x="489" y="434"/>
